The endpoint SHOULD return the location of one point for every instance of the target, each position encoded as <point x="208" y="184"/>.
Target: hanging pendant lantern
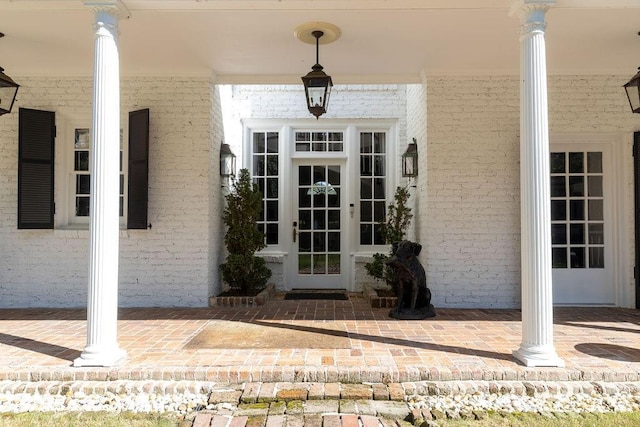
<point x="317" y="84"/>
<point x="8" y="91"/>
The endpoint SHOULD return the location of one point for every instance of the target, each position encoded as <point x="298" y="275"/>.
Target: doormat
<point x="266" y="335"/>
<point x="336" y="296"/>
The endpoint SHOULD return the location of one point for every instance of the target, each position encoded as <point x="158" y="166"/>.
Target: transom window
<point x="319" y="141"/>
<point x="577" y="210"/>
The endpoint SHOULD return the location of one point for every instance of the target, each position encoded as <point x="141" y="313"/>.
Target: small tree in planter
<point x="393" y="230"/>
<point x="244" y="272"/>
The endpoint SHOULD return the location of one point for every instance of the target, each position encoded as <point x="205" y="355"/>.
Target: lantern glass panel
<point x="7" y="95"/>
<point x="227" y="165"/>
<point x="316" y="97"/>
<point x="408" y="168"/>
<point x="410" y="161"/>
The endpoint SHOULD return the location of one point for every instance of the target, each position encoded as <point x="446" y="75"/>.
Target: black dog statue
<point x="414" y="298"/>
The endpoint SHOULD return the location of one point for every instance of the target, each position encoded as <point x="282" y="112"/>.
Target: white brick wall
<point x="470" y="217"/>
<point x="167" y="265"/>
<point x="417" y="128"/>
<point x="471" y="223"/>
<point x="287" y="103"/>
<point x="466" y="199"/>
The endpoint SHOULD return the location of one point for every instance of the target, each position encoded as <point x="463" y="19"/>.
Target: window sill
<point x="275" y="257"/>
<point x="80" y="231"/>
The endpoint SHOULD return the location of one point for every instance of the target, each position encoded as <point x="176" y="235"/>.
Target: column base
<point x="104" y="357"/>
<point x="536" y="356"/>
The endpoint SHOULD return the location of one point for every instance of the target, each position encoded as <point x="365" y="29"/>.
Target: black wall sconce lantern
<point x="317" y="84"/>
<point x="410" y="160"/>
<point x="227" y="161"/>
<point x="632" y="87"/>
<point x="8" y="91"/>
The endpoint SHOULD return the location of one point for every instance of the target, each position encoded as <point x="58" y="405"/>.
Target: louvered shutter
<point x="138" y="169"/>
<point x="36" y="136"/>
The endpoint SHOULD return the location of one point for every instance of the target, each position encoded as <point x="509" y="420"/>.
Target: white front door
<point x="581" y="231"/>
<point x="320" y="258"/>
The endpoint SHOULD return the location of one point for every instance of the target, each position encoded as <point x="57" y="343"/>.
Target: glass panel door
<point x="317" y="228"/>
<point x="580" y="236"/>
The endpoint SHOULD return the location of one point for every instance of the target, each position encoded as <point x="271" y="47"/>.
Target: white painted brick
<point x="466" y="196"/>
<point x="168" y="265"/>
<point x="470" y="215"/>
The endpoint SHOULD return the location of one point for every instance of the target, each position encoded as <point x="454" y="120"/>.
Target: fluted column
<point x="104" y="231"/>
<point x="537" y="347"/>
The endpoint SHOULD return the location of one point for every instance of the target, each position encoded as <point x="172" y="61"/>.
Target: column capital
<point x="113" y="7"/>
<point x="531" y="14"/>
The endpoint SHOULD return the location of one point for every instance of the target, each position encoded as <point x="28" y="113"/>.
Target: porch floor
<point x="472" y="344"/>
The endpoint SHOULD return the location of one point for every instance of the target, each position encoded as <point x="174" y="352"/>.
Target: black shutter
<point x="636" y="186"/>
<point x="36" y="135"/>
<point x="138" y="169"/>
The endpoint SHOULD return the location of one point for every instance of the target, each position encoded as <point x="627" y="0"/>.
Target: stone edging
<point x="287" y="391"/>
<point x="329" y="374"/>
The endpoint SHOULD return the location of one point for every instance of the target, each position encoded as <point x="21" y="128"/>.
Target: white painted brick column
<point x="537" y="347"/>
<point x="102" y="308"/>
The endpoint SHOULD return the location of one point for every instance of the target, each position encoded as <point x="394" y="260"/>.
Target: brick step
<point x="313" y="413"/>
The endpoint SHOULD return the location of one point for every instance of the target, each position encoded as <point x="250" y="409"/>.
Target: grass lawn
<point x="610" y="419"/>
<point x="109" y="419"/>
<point x="87" y="419"/>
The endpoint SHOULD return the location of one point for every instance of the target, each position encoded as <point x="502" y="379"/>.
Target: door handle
<point x="295" y="234"/>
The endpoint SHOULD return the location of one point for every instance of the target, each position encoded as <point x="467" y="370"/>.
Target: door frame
<point x="621" y="224"/>
<point x="343" y="282"/>
<point x="280" y="256"/>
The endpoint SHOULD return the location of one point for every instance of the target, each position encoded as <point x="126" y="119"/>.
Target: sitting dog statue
<point x="414" y="298"/>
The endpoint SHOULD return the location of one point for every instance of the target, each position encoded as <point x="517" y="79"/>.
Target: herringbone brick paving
<point x="600" y="344"/>
<point x="595" y="343"/>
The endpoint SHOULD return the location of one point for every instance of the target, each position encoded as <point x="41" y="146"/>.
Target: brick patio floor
<point x="595" y="343"/>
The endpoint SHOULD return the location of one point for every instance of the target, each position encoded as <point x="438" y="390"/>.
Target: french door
<point x="581" y="227"/>
<point x="319" y="235"/>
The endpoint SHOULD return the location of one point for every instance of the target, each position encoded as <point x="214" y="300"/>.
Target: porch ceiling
<point x="252" y="41"/>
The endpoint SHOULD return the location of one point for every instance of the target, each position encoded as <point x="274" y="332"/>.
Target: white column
<point x="537" y="347"/>
<point x="104" y="231"/>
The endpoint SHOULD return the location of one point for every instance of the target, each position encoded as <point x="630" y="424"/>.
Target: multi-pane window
<point x="265" y="174"/>
<point x="82" y="177"/>
<point x="319" y="141"/>
<point x="577" y="210"/>
<point x="81" y="171"/>
<point x="373" y="160"/>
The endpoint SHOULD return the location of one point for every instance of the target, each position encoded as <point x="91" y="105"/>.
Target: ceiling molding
<point x="256" y="79"/>
<point x="312" y="4"/>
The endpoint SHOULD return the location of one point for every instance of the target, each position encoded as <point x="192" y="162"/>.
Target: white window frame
<point x="65" y="182"/>
<point x="351" y="130"/>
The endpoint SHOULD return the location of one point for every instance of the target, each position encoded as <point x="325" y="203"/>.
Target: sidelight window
<point x="373" y="183"/>
<point x="265" y="175"/>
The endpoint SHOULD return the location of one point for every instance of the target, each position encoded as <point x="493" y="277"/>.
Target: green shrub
<point x="243" y="271"/>
<point x="247" y="273"/>
<point x="394" y="229"/>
